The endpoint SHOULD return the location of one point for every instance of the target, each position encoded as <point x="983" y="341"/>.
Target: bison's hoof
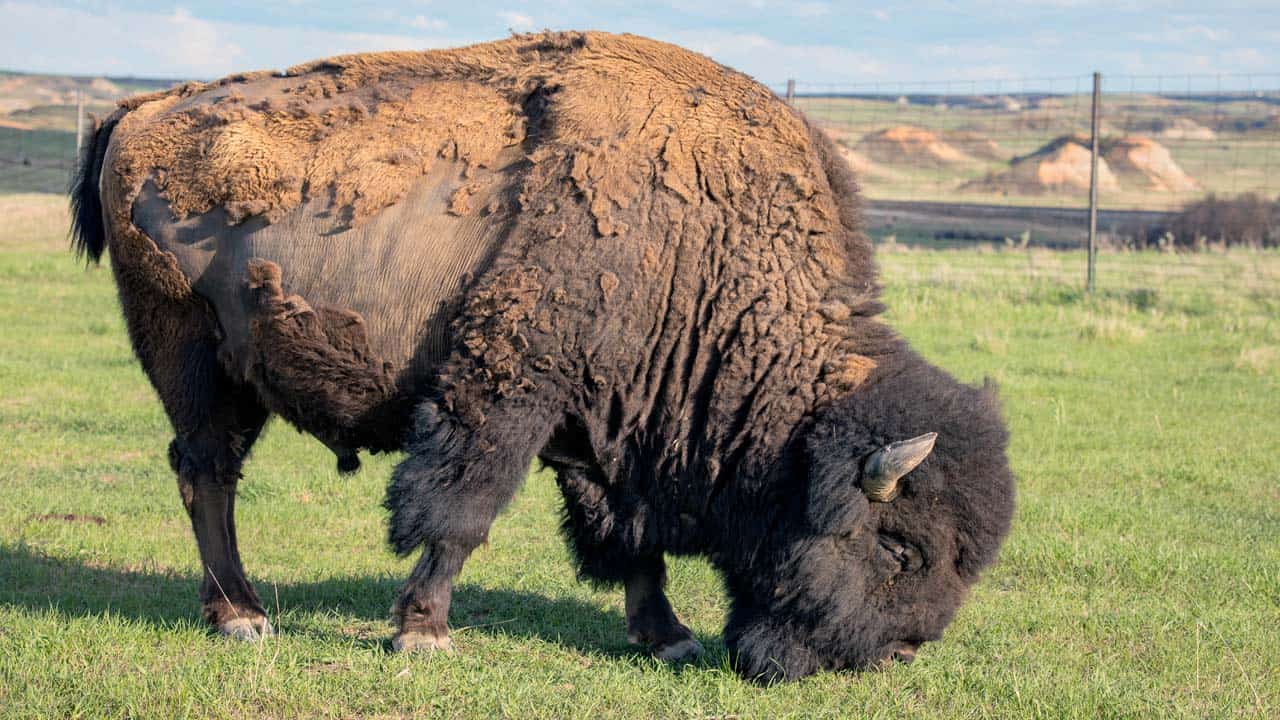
<point x="247" y="629"/>
<point x="408" y="642"/>
<point x="678" y="651"/>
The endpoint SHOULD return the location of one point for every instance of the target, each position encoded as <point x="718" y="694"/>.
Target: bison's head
<point x="906" y="497"/>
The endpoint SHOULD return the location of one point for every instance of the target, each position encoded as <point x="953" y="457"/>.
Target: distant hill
<point x="1144" y="163"/>
<point x="38" y="123"/>
<point x="47" y="102"/>
<point x="910" y="145"/>
<point x="1063" y="164"/>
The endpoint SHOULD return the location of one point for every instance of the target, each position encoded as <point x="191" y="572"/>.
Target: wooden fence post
<point x="1091" y="284"/>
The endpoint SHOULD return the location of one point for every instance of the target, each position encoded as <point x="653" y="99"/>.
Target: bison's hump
<point x="357" y="130"/>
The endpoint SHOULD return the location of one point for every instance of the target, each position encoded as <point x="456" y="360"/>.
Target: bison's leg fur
<point x="650" y="620"/>
<point x="215" y="422"/>
<point x="598" y="536"/>
<point x="608" y="549"/>
<point x="208" y="467"/>
<point x="444" y="497"/>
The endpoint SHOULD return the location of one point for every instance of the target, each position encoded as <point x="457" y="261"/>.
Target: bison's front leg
<point x="650" y="620"/>
<point x="611" y="548"/>
<point x="446" y="494"/>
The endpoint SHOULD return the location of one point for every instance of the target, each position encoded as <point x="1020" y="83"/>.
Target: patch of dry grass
<point x="1261" y="359"/>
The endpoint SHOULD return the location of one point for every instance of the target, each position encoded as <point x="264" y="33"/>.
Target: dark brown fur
<point x="677" y="312"/>
<point x="316" y="363"/>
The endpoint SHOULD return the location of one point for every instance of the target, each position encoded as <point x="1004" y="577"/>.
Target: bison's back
<point x="330" y="229"/>
<point x="375" y="183"/>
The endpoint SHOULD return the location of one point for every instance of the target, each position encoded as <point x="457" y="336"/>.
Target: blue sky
<point x="816" y="41"/>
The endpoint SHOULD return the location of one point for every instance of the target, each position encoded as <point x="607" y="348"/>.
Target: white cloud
<point x="773" y="62"/>
<point x="190" y="42"/>
<point x="176" y="44"/>
<point x="722" y="9"/>
<point x="1181" y="34"/>
<point x="516" y="20"/>
<point x="422" y="22"/>
<point x="810" y="9"/>
<point x="1246" y="57"/>
<point x="814" y="41"/>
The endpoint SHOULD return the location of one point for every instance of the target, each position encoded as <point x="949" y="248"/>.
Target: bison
<point x="598" y="250"/>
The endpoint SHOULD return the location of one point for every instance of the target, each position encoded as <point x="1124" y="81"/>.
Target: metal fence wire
<point x="986" y="161"/>
<point x="1010" y="160"/>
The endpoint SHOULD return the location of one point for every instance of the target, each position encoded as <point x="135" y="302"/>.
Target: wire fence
<point x="1004" y="162"/>
<point x="1009" y="160"/>
<point x="35" y="160"/>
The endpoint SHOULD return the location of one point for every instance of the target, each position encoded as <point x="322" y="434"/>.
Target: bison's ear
<point x="843" y="480"/>
<point x="834" y="501"/>
<point x="883" y="468"/>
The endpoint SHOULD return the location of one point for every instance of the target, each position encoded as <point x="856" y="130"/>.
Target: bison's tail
<point x="88" y="230"/>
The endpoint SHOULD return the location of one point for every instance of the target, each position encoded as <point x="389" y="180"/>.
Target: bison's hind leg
<point x="611" y="548"/>
<point x="215" y="423"/>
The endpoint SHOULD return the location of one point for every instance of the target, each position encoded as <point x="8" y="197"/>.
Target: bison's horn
<point x="886" y="466"/>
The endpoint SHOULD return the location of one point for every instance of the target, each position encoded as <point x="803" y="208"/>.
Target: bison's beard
<point x="768" y="653"/>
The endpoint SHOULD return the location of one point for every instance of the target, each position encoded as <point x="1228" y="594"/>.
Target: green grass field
<point x="1142" y="577"/>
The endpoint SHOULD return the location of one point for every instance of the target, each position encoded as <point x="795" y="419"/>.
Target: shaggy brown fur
<point x="315" y="362"/>
<point x="657" y="281"/>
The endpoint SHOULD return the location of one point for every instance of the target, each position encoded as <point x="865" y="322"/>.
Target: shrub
<point x="1246" y="220"/>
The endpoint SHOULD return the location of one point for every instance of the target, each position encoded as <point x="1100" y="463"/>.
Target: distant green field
<point x="35" y="160"/>
<point x="1141" y="580"/>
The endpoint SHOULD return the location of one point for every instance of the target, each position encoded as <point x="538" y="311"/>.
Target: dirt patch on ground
<point x="1062" y="164"/>
<point x="1182" y="128"/>
<point x="70" y="518"/>
<point x="975" y="144"/>
<point x="864" y="167"/>
<point x="1140" y="162"/>
<point x="910" y="145"/>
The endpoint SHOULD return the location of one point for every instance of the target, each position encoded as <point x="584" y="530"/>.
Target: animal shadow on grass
<point x="32" y="580"/>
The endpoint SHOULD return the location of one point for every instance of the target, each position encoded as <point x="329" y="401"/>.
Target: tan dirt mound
<point x="864" y="167"/>
<point x="909" y="145"/>
<point x="1143" y="162"/>
<point x="976" y="145"/>
<point x="1061" y="165"/>
<point x="1183" y="128"/>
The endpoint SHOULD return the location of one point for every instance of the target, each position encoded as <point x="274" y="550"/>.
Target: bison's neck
<point x="731" y="375"/>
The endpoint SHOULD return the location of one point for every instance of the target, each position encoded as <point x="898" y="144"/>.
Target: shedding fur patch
<point x="654" y="192"/>
<point x="312" y="365"/>
<point x="495" y="339"/>
<point x="265" y="148"/>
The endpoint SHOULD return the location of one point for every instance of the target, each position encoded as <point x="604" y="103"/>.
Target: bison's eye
<point x="901" y="553"/>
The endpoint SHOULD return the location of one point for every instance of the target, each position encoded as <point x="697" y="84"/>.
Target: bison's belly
<point x="382" y="291"/>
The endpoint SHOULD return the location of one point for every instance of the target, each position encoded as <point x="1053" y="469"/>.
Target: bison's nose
<point x="906" y="652"/>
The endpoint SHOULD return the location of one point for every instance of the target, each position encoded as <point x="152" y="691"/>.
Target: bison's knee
<point x="195" y="463"/>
